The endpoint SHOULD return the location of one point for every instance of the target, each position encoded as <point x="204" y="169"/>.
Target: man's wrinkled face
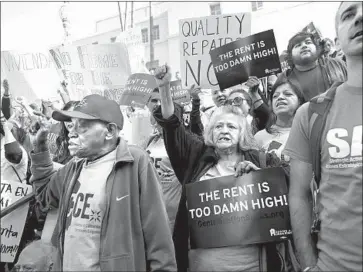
<point x="349" y="28"/>
<point x="220" y="96"/>
<point x="304" y="52"/>
<point x="86" y="137"/>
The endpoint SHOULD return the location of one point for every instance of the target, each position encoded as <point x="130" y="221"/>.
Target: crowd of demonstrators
<point x="124" y="207"/>
<point x="309" y="71"/>
<point x="285" y="99"/>
<point x="331" y="152"/>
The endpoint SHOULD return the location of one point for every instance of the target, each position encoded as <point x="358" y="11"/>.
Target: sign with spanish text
<point x="179" y="95"/>
<point x="230" y="211"/>
<point x="12" y="224"/>
<point x="93" y="69"/>
<point x="255" y="55"/>
<point x="30" y="74"/>
<point x="138" y="90"/>
<point x="198" y="36"/>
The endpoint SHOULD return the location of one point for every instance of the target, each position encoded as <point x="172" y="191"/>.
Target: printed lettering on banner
<point x="230" y="211"/>
<point x="93" y="69"/>
<point x="12" y="225"/>
<point x="255" y="55"/>
<point x="30" y="74"/>
<point x="198" y="36"/>
<point x="179" y="95"/>
<point x="138" y="90"/>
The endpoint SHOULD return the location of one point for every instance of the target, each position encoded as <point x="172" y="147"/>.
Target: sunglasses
<point x="237" y="101"/>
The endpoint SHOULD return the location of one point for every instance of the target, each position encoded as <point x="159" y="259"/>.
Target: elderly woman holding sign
<point x="228" y="149"/>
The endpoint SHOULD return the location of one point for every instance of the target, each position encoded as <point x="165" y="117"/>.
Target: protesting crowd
<point x="269" y="178"/>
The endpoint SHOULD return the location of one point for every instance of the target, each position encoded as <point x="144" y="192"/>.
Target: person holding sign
<point x="228" y="149"/>
<point x="256" y="111"/>
<point x="111" y="213"/>
<point x="285" y="99"/>
<point x="313" y="74"/>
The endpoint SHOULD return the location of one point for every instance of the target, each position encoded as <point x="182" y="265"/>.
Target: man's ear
<point x="112" y="131"/>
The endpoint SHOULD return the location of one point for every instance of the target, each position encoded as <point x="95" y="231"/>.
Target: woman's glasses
<point x="237" y="101"/>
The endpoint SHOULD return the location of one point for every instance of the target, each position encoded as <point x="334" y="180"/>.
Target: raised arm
<point x="183" y="148"/>
<point x="196" y="125"/>
<point x="6" y="101"/>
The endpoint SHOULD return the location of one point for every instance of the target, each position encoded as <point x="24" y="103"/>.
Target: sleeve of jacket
<point x="183" y="148"/>
<point x="195" y="119"/>
<point x="262" y="115"/>
<point x="6" y="106"/>
<point x="159" y="245"/>
<point x="47" y="182"/>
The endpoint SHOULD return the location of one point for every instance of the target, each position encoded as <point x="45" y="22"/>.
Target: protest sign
<point x="138" y="90"/>
<point x="313" y="30"/>
<point x="30" y="74"/>
<point x="230" y="211"/>
<point x="284" y="62"/>
<point x="12" y="224"/>
<point x="179" y="95"/>
<point x="93" y="69"/>
<point x="200" y="35"/>
<point x="255" y="55"/>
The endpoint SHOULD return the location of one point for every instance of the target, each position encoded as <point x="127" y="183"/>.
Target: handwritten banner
<point x="179" y="95"/>
<point x="30" y="74"/>
<point x="12" y="225"/>
<point x="255" y="55"/>
<point x="92" y="69"/>
<point x="200" y="35"/>
<point x="138" y="90"/>
<point x="230" y="211"/>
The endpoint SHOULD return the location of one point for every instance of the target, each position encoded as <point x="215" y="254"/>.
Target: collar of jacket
<point x="123" y="153"/>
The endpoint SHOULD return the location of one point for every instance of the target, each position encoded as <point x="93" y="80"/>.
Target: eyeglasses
<point x="237" y="101"/>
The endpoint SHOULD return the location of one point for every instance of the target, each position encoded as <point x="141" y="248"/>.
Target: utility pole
<point x="132" y="14"/>
<point x="125" y="24"/>
<point x="151" y="38"/>
<point x="119" y="14"/>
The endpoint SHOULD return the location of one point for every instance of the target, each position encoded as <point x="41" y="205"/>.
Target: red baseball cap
<point x="93" y="107"/>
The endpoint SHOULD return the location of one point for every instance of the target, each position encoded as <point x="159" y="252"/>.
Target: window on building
<point x="95" y="43"/>
<point x="113" y="39"/>
<point x="257" y="5"/>
<point x="215" y="9"/>
<point x="144" y="35"/>
<point x="156" y="33"/>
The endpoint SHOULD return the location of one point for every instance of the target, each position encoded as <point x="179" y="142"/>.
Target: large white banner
<point x="200" y="35"/>
<point x="90" y="69"/>
<point x="30" y="74"/>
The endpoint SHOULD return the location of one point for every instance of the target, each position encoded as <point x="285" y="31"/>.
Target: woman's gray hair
<point x="246" y="139"/>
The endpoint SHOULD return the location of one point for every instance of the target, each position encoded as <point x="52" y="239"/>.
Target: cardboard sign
<point x="138" y="90"/>
<point x="200" y="35"/>
<point x="230" y="211"/>
<point x="255" y="55"/>
<point x="30" y="74"/>
<point x="92" y="69"/>
<point x="313" y="30"/>
<point x="179" y="95"/>
<point x="12" y="225"/>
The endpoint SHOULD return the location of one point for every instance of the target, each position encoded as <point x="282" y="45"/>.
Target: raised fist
<point x="6" y="86"/>
<point x="253" y="83"/>
<point x="163" y="75"/>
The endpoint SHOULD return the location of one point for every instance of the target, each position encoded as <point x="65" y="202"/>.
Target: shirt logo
<point x="120" y="198"/>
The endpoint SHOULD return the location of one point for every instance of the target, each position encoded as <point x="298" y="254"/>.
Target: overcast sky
<point x="32" y="25"/>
